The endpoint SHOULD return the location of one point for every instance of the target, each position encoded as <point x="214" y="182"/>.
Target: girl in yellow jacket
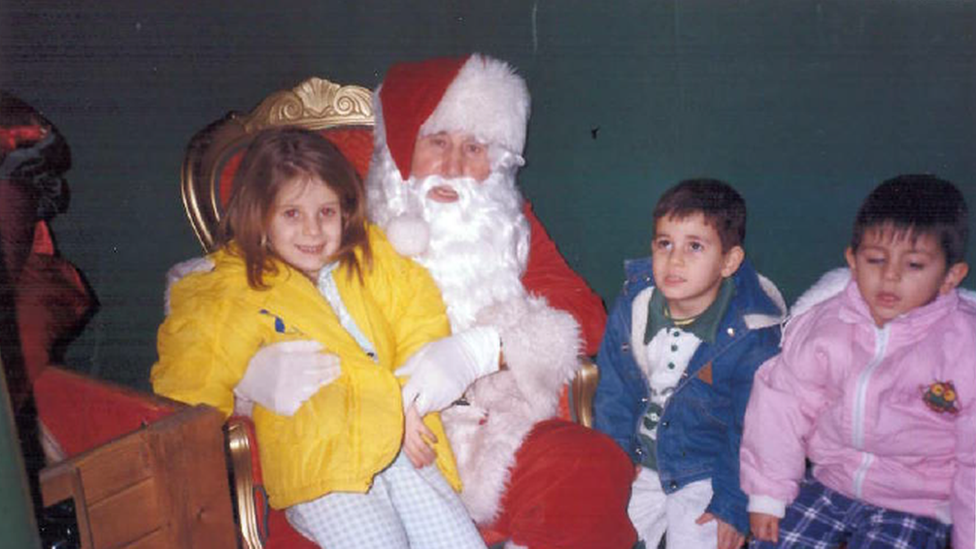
<point x="299" y="264"/>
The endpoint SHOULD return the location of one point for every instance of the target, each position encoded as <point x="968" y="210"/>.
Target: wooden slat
<point x="126" y="516"/>
<point x="152" y="540"/>
<point x="58" y="484"/>
<point x="116" y="468"/>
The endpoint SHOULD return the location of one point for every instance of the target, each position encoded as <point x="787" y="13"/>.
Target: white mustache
<point x="465" y="187"/>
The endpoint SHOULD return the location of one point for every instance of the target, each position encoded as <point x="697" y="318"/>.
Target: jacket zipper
<point x="860" y="402"/>
<point x="862" y="471"/>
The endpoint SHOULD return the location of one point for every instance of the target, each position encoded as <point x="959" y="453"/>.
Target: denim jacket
<point x="700" y="428"/>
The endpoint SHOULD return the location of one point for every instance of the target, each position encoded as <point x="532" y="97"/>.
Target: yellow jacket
<point x="352" y="428"/>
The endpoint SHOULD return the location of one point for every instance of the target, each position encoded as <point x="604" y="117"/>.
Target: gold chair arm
<point x="584" y="388"/>
<point x="239" y="446"/>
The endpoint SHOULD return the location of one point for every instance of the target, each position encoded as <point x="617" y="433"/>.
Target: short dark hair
<point x="275" y="158"/>
<point x="723" y="207"/>
<point x="917" y="204"/>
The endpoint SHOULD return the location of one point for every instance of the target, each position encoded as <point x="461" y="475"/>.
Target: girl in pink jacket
<point x="876" y="386"/>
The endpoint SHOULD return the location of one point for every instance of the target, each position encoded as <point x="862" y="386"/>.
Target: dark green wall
<point x="802" y="105"/>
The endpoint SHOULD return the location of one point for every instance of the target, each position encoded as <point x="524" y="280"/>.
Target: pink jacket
<point x="870" y="408"/>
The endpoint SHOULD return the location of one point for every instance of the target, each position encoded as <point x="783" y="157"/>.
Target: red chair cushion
<point x="282" y="536"/>
<point x="81" y="412"/>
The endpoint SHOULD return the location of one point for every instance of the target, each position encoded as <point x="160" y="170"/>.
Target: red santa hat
<point x="474" y="94"/>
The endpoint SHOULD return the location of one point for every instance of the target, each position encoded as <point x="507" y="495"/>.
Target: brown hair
<point x="720" y="204"/>
<point x="917" y="204"/>
<point x="275" y="158"/>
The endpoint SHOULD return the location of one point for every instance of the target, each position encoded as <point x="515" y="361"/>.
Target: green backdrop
<point x="802" y="105"/>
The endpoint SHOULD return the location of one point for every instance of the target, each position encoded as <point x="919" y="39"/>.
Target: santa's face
<point x="449" y="155"/>
<point x="465" y="227"/>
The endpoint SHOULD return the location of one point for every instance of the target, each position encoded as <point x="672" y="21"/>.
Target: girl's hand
<point x="764" y="527"/>
<point x="418" y="439"/>
<point x="728" y="536"/>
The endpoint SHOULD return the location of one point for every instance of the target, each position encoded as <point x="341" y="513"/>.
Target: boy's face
<point x="897" y="271"/>
<point x="689" y="263"/>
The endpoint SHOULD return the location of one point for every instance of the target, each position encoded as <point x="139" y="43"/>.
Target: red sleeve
<point x="550" y="276"/>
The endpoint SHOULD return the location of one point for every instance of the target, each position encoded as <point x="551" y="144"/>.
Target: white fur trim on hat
<point x="488" y="100"/>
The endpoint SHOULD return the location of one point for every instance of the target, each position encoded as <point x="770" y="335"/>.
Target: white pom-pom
<point x="409" y="235"/>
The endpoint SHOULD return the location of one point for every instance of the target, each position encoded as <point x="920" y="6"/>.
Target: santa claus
<point x="448" y="142"/>
<point x="449" y="136"/>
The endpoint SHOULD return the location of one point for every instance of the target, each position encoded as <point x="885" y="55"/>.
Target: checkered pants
<point x="405" y="508"/>
<point x="820" y="518"/>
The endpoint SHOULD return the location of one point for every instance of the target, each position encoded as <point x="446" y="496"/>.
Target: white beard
<point x="477" y="247"/>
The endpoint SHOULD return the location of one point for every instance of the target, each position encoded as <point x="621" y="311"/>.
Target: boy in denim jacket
<point x="691" y="326"/>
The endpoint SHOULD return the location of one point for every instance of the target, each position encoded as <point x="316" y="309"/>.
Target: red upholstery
<point x="81" y="412"/>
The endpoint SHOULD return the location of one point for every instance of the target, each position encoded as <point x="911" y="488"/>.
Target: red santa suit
<point x="540" y="481"/>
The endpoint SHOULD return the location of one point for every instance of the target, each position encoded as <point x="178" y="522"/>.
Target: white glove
<point x="441" y="371"/>
<point x="181" y="269"/>
<point x="282" y="376"/>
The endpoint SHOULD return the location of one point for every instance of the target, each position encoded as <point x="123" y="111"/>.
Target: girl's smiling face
<point x="306" y="225"/>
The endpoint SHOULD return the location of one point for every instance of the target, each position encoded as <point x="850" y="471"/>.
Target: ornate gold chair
<point x="344" y="115"/>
